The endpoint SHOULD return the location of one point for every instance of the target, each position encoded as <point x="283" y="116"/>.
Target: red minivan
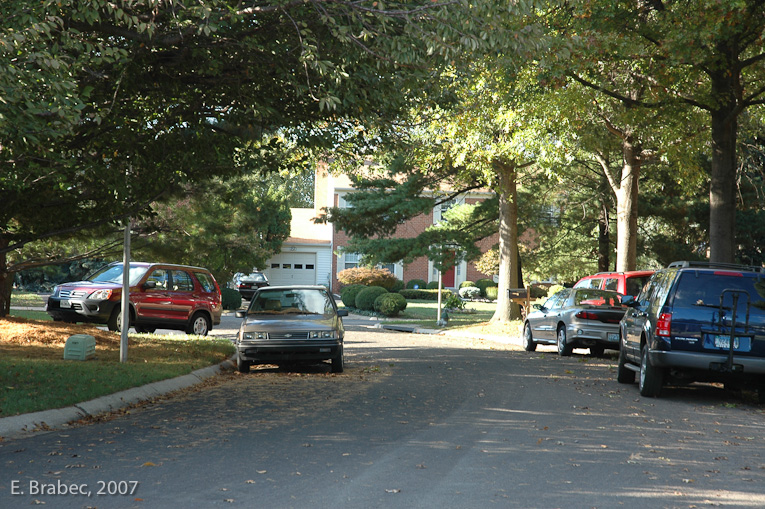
<point x="162" y="296"/>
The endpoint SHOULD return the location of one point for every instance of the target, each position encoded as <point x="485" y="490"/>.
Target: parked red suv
<point x="162" y="296"/>
<point x="626" y="283"/>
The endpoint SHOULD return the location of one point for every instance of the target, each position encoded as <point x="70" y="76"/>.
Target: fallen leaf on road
<point x="393" y="491"/>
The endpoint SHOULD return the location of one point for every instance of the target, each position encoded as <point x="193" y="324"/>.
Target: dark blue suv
<point x="696" y="321"/>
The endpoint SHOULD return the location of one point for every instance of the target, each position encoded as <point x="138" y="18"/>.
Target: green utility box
<point x="80" y="347"/>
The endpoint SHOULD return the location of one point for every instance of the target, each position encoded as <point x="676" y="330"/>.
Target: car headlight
<point x="100" y="295"/>
<point x="254" y="335"/>
<point x="322" y="334"/>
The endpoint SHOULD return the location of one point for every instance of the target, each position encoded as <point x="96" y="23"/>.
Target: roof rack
<point x="715" y="265"/>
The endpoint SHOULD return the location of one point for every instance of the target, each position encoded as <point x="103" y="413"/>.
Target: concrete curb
<point x="19" y="426"/>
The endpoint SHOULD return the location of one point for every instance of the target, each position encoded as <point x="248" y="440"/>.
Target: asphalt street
<point x="415" y="421"/>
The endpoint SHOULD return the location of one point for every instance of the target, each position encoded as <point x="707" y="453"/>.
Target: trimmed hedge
<point x="367" y="276"/>
<point x="230" y="298"/>
<point x="349" y="293"/>
<point x="424" y="294"/>
<point x="466" y="284"/>
<point x="492" y="292"/>
<point x="420" y="283"/>
<point x="366" y="298"/>
<point x="390" y="304"/>
<point x="397" y="287"/>
<point x="483" y="284"/>
<point x="470" y="292"/>
<point x="433" y="285"/>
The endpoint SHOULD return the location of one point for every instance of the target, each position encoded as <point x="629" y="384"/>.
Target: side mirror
<point x="629" y="301"/>
<point x="240" y="313"/>
<point x="342" y="312"/>
<point x="149" y="285"/>
<point x="536" y="307"/>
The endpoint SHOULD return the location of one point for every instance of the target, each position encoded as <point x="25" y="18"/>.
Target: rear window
<point x="704" y="289"/>
<point x="206" y="281"/>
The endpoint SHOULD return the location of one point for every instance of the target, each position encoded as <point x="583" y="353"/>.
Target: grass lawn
<point x="474" y="319"/>
<point x="36" y="377"/>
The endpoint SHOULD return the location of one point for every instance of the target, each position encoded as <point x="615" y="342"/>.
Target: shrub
<point x="492" y="292"/>
<point x="466" y="284"/>
<point x="470" y="292"/>
<point x="390" y="304"/>
<point x="230" y="298"/>
<point x="454" y="302"/>
<point x="554" y="289"/>
<point x="424" y="294"/>
<point x="483" y="284"/>
<point x="397" y="286"/>
<point x="367" y="276"/>
<point x="433" y="285"/>
<point x="366" y="298"/>
<point x="349" y="293"/>
<point x="419" y="283"/>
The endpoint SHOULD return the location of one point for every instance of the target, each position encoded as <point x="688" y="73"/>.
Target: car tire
<point x="144" y="330"/>
<point x="242" y="365"/>
<point x="338" y="363"/>
<point x="528" y="339"/>
<point x="624" y="375"/>
<point x="651" y="377"/>
<point x="597" y="351"/>
<point x="199" y="325"/>
<point x="564" y="348"/>
<point x="114" y="323"/>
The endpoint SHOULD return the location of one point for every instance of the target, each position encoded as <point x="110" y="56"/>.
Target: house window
<point x="298" y="265"/>
<point x="351" y="260"/>
<point x="390" y="266"/>
<point x="275" y="265"/>
<point x="309" y="266"/>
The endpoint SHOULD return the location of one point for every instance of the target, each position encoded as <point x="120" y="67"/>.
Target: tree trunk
<point x="508" y="242"/>
<point x="626" y="208"/>
<point x="722" y="189"/>
<point x="604" y="244"/>
<point x="6" y="281"/>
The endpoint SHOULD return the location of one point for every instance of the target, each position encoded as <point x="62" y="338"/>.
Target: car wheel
<point x="651" y="377"/>
<point x="115" y="320"/>
<point x="199" y="325"/>
<point x="528" y="340"/>
<point x="597" y="351"/>
<point x="144" y="330"/>
<point x="623" y="374"/>
<point x="564" y="348"/>
<point x="242" y="365"/>
<point x="338" y="362"/>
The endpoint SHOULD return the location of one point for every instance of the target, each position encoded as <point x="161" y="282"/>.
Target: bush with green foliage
<point x="390" y="304"/>
<point x="424" y="294"/>
<point x="453" y="301"/>
<point x="466" y="284"/>
<point x="483" y="284"/>
<point x="366" y="298"/>
<point x="367" y="276"/>
<point x="421" y="284"/>
<point x="433" y="285"/>
<point x="554" y="289"/>
<point x="230" y="298"/>
<point x="470" y="292"/>
<point x="492" y="292"/>
<point x="348" y="294"/>
<point x="397" y="287"/>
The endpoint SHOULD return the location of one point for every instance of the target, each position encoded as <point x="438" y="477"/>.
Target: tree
<point x="109" y="106"/>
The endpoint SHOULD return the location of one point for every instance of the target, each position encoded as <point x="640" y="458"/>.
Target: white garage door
<point x="292" y="269"/>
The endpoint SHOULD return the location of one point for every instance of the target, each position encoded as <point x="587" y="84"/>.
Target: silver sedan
<point x="576" y="318"/>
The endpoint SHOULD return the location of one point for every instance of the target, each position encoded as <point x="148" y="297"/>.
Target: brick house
<point x="313" y="253"/>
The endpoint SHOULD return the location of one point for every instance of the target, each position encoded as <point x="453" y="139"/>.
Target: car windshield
<point x="113" y="274"/>
<point x="291" y="301"/>
<point x="596" y="298"/>
<point x="705" y="289"/>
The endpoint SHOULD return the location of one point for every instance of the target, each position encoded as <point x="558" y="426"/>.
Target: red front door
<point x="447" y="279"/>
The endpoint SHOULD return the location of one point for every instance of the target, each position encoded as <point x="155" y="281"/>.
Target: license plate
<point x="613" y="337"/>
<point x="724" y="342"/>
<point x="65" y="304"/>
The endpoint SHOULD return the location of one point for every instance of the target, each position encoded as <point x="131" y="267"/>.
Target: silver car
<point x="576" y="318"/>
<point x="291" y="325"/>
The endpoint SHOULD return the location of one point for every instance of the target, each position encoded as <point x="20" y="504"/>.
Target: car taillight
<point x="663" y="324"/>
<point x="586" y="315"/>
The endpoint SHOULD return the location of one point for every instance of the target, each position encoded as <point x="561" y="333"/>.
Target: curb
<point x="19" y="426"/>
